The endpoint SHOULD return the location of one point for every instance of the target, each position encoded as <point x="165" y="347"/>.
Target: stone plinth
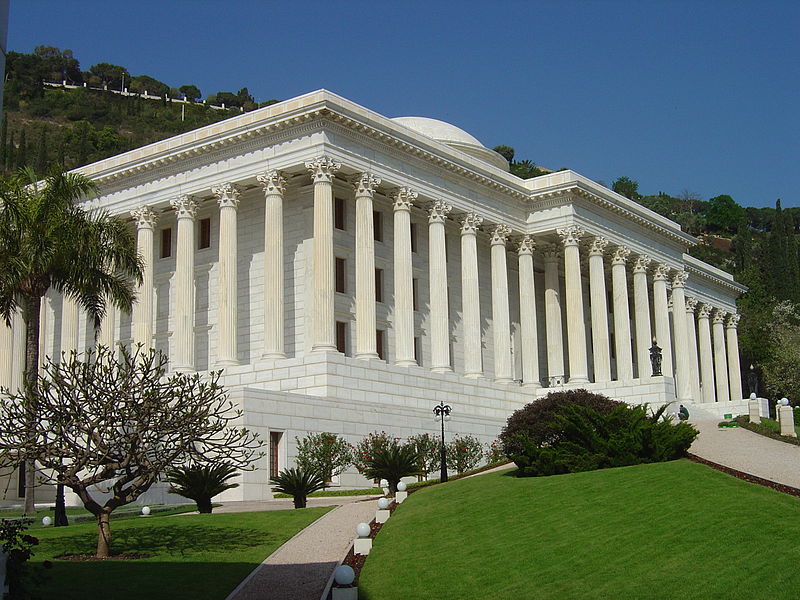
<point x="381" y="516"/>
<point x="399" y="497"/>
<point x="786" y="418"/>
<point x="362" y="546"/>
<point x="350" y="593"/>
<point x="754" y="411"/>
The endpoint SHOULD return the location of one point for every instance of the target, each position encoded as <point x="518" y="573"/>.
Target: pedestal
<point x="350" y="593"/>
<point x="399" y="497"/>
<point x="754" y="409"/>
<point x="362" y="546"/>
<point x="381" y="516"/>
<point x="786" y="418"/>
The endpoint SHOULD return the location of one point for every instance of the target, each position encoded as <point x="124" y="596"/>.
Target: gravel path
<point x="300" y="569"/>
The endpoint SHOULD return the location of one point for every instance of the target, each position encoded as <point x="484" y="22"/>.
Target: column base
<point x="476" y="375"/>
<point x="226" y="363"/>
<point x="580" y="380"/>
<point x="405" y="363"/>
<point x="184" y="369"/>
<point x="273" y="355"/>
<point x="324" y="348"/>
<point x="441" y="369"/>
<point x="503" y="380"/>
<point x="368" y="356"/>
<point x="531" y="384"/>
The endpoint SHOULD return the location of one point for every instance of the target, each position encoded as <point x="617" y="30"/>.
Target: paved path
<point x="300" y="569"/>
<point x="747" y="451"/>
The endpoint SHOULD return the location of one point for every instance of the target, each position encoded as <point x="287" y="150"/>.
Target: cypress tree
<point x="22" y="151"/>
<point x="792" y="267"/>
<point x="743" y="248"/>
<point x="777" y="269"/>
<point x="10" y="162"/>
<point x="3" y="142"/>
<point x="41" y="152"/>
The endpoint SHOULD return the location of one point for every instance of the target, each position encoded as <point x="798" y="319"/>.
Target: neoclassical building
<point x="348" y="271"/>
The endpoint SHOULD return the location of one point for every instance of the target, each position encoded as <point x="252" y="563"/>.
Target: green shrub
<point x="325" y="453"/>
<point x="464" y="453"/>
<point x="298" y="483"/>
<point x="393" y="463"/>
<point x="202" y="483"/>
<point x="428" y="452"/>
<point x="494" y="453"/>
<point x="367" y="448"/>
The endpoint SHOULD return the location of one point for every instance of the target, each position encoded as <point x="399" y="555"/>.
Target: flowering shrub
<point x="366" y="449"/>
<point x="494" y="453"/>
<point x="19" y="546"/>
<point x="428" y="449"/>
<point x="326" y="454"/>
<point x="464" y="453"/>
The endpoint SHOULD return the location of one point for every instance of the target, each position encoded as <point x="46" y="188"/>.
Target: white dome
<point x="453" y="137"/>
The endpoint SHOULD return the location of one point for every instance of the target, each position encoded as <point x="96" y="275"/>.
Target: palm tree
<point x="47" y="240"/>
<point x="202" y="482"/>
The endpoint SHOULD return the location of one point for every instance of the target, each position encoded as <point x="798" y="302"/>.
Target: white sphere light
<point x="47" y="521"/>
<point x="384" y="483"/>
<point x="753" y="396"/>
<point x="362" y="530"/>
<point x="784" y="402"/>
<point x="447" y="417"/>
<point x="145" y="510"/>
<point x="344" y="575"/>
<point x="401" y="487"/>
<point x="383" y="503"/>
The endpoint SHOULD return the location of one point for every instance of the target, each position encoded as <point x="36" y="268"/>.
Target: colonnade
<point x="709" y="334"/>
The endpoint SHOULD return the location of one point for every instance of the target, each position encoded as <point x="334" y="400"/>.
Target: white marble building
<point x="348" y="271"/>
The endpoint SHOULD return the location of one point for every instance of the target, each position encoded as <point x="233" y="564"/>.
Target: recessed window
<point x="378" y="285"/>
<point x="418" y="350"/>
<point x="380" y="343"/>
<point x="340" y="279"/>
<point x="341" y="336"/>
<point x="377" y="225"/>
<point x="338" y="213"/>
<point x="415" y="294"/>
<point x="166" y="242"/>
<point x="205" y="234"/>
<point x="413" y="237"/>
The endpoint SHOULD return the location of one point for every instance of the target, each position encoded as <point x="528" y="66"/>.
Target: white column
<point x="720" y="359"/>
<point x="142" y="315"/>
<point x="183" y="323"/>
<point x="734" y="368"/>
<point x="552" y="307"/>
<point x="6" y="353"/>
<point x="622" y="317"/>
<point x="44" y="311"/>
<point x="403" y="278"/>
<point x="324" y="326"/>
<point x="573" y="287"/>
<point x="69" y="325"/>
<point x="706" y="353"/>
<point x="19" y="356"/>
<point x="274" y="186"/>
<point x="227" y="310"/>
<point x="470" y="295"/>
<point x="661" y="314"/>
<point x="440" y="319"/>
<point x="501" y="321"/>
<point x="365" y="185"/>
<point x="527" y="314"/>
<point x="599" y="304"/>
<point x="694" y="367"/>
<point x="641" y="316"/>
<point x="108" y="327"/>
<point x="682" y="365"/>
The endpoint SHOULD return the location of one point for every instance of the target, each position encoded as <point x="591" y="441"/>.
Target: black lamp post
<point x="442" y="413"/>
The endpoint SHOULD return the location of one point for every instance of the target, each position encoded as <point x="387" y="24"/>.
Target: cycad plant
<point x="393" y="463"/>
<point x="298" y="483"/>
<point x="202" y="483"/>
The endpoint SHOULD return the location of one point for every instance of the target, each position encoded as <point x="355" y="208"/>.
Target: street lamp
<point x="442" y="413"/>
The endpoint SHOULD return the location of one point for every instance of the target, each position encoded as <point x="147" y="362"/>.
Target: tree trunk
<point x="30" y="313"/>
<point x="204" y="505"/>
<point x="299" y="501"/>
<point x="103" y="535"/>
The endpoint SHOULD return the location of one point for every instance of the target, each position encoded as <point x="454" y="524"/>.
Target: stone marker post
<point x="786" y="418"/>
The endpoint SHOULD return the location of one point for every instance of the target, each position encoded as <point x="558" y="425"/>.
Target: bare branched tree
<point x="108" y="424"/>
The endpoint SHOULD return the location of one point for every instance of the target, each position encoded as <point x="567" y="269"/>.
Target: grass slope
<point x="667" y="530"/>
<point x="192" y="557"/>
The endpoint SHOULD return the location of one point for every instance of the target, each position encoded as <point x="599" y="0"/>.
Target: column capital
<point x="719" y="317"/>
<point x="323" y="169"/>
<point x="185" y="207"/>
<point x="570" y="236"/>
<point x="500" y="234"/>
<point x="597" y="246"/>
<point x="526" y="245"/>
<point x="705" y="311"/>
<point x="733" y="321"/>
<point x="145" y="217"/>
<point x="403" y="198"/>
<point x="273" y="182"/>
<point x="437" y="213"/>
<point x="551" y="252"/>
<point x="365" y="184"/>
<point x="621" y="254"/>
<point x="661" y="272"/>
<point x="642" y="263"/>
<point x="679" y="279"/>
<point x="471" y="223"/>
<point x="691" y="305"/>
<point x="227" y="194"/>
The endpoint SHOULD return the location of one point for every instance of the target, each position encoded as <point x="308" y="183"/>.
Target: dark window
<point x="341" y="336"/>
<point x="418" y="350"/>
<point x="166" y="242"/>
<point x="380" y="337"/>
<point x="274" y="447"/>
<point x="205" y="234"/>
<point x="338" y="213"/>
<point x="340" y="279"/>
<point x="413" y="237"/>
<point x="377" y="225"/>
<point x="415" y="294"/>
<point x="378" y="285"/>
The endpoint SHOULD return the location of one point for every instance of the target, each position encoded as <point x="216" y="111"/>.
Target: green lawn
<point x="192" y="557"/>
<point x="77" y="514"/>
<point x="670" y="530"/>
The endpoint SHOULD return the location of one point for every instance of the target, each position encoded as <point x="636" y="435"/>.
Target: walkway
<point x="300" y="569"/>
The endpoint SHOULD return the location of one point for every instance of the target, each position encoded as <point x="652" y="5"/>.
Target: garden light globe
<point x="401" y="487"/>
<point x="384" y="483"/>
<point x="383" y="503"/>
<point x="47" y="521"/>
<point x="784" y="402"/>
<point x="753" y="396"/>
<point x="362" y="530"/>
<point x="145" y="510"/>
<point x="344" y="575"/>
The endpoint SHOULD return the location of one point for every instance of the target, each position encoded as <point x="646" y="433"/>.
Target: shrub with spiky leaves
<point x="363" y="451"/>
<point x="202" y="482"/>
<point x="393" y="463"/>
<point x="298" y="483"/>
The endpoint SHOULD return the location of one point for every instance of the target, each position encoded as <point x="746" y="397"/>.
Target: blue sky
<point x="679" y="95"/>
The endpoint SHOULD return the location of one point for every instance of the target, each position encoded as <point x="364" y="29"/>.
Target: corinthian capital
<point x="705" y="311"/>
<point x="641" y="264"/>
<point x="500" y="234"/>
<point x="691" y="305"/>
<point x="526" y="245"/>
<point x="145" y="217"/>
<point x="719" y="317"/>
<point x="227" y="194"/>
<point x="365" y="184"/>
<point x="437" y="213"/>
<point x="322" y="169"/>
<point x="570" y="236"/>
<point x="185" y="207"/>
<point x="733" y="321"/>
<point x="471" y="223"/>
<point x="272" y="182"/>
<point x="598" y="246"/>
<point x="621" y="254"/>
<point x="551" y="252"/>
<point x="403" y="198"/>
<point x="679" y="279"/>
<point x="661" y="272"/>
